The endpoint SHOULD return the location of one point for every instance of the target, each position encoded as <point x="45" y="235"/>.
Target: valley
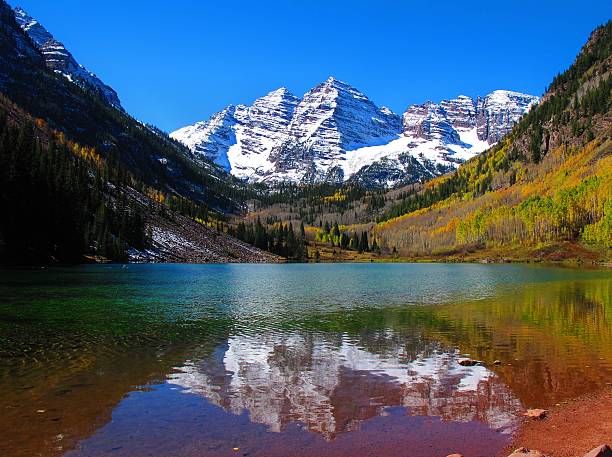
<point x="504" y="177"/>
<point x="305" y="272"/>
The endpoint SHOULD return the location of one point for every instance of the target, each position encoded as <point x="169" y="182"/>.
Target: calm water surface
<point x="280" y="360"/>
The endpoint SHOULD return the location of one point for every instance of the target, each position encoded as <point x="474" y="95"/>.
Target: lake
<point x="298" y="359"/>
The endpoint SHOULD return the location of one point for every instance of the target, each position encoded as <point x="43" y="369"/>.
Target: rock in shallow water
<point x="536" y="413"/>
<point x="524" y="452"/>
<point x="467" y="362"/>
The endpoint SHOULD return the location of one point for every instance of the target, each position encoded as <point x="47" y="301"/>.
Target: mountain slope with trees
<point x="88" y="119"/>
<point x="62" y="201"/>
<point x="544" y="191"/>
<point x="80" y="179"/>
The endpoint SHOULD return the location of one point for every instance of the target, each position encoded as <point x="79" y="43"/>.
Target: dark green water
<point x="316" y="359"/>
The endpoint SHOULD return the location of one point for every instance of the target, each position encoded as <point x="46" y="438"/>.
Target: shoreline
<point x="571" y="428"/>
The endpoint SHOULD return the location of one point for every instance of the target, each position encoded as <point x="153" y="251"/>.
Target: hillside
<point x="546" y="186"/>
<point x="86" y="117"/>
<point x="62" y="202"/>
<point x="80" y="180"/>
<point x="543" y="192"/>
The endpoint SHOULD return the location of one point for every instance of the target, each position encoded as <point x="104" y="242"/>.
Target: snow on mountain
<point x="335" y="133"/>
<point x="499" y="111"/>
<point x="211" y="138"/>
<point x="60" y="60"/>
<point x="334" y="117"/>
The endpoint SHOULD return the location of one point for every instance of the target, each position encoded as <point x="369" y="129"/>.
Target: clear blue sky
<point x="178" y="62"/>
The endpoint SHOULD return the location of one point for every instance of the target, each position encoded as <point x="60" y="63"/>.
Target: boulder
<point x="536" y="413"/>
<point x="467" y="362"/>
<point x="600" y="451"/>
<point x="524" y="452"/>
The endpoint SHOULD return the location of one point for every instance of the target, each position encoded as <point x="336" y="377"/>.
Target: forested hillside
<point x="63" y="202"/>
<point x="544" y="191"/>
<point x="89" y="120"/>
<point x="80" y="179"/>
<point x="548" y="183"/>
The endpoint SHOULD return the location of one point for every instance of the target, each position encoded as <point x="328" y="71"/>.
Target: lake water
<point x="280" y="360"/>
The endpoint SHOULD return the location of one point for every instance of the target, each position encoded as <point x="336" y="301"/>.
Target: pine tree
<point x="363" y="243"/>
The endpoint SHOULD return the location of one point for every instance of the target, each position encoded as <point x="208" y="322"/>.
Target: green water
<point x="100" y="359"/>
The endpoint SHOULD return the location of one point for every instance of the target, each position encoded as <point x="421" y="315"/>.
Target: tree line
<point x="57" y="203"/>
<point x="280" y="239"/>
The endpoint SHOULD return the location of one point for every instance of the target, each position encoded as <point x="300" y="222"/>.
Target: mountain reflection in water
<point x="331" y="385"/>
<point x="192" y="360"/>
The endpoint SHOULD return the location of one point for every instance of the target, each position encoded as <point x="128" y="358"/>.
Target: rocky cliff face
<point x="334" y="133"/>
<point x="60" y="60"/>
<point x="499" y="111"/>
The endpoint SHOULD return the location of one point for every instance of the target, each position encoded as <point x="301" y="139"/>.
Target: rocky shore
<point x="574" y="428"/>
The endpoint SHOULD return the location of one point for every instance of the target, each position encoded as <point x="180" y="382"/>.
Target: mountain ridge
<point x="335" y="133"/>
<point x="60" y="60"/>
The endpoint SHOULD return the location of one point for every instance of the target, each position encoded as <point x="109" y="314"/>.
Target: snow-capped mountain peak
<point x="335" y="133"/>
<point x="60" y="60"/>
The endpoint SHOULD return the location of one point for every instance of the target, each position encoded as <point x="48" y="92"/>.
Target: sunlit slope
<point x="547" y="184"/>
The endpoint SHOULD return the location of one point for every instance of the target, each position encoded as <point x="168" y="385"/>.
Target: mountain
<point x="61" y="61"/>
<point x="544" y="191"/>
<point x="86" y="117"/>
<point x="335" y="133"/>
<point x="103" y="185"/>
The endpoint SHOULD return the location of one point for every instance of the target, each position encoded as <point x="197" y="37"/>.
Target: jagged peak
<point x="19" y="11"/>
<point x="505" y="97"/>
<point x="508" y="93"/>
<point x="39" y="34"/>
<point x="335" y="88"/>
<point x="337" y="84"/>
<point x="282" y="93"/>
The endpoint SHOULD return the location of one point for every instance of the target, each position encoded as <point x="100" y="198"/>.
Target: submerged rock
<point x="467" y="362"/>
<point x="600" y="451"/>
<point x="524" y="452"/>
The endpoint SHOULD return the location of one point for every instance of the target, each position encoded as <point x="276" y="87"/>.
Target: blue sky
<point x="174" y="63"/>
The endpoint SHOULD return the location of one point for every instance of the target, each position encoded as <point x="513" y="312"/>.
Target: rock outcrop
<point x="60" y="60"/>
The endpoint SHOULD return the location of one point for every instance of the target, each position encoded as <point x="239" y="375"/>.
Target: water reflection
<point x="239" y="351"/>
<point x="332" y="384"/>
